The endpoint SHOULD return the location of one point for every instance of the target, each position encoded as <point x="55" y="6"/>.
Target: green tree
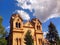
<point x="52" y="34"/>
<point x="58" y="42"/>
<point x="28" y="38"/>
<point x="2" y="33"/>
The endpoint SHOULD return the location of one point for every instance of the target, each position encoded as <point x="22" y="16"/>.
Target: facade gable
<point x="28" y="24"/>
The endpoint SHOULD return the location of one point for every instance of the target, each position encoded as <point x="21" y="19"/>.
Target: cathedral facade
<point x="18" y="31"/>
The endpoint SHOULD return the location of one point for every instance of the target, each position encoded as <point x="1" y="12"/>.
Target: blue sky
<point x="8" y="7"/>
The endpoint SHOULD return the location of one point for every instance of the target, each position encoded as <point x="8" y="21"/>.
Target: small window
<point x="17" y="25"/>
<point x="20" y="40"/>
<point x="38" y="27"/>
<point x="40" y="41"/>
<point x="17" y="41"/>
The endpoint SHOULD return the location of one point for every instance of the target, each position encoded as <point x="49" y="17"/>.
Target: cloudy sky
<point x="44" y="10"/>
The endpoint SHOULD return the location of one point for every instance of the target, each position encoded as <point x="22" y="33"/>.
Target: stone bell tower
<point x="38" y="31"/>
<point x="16" y="30"/>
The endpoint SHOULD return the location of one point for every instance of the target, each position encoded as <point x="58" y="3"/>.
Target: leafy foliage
<point x="3" y="41"/>
<point x="58" y="42"/>
<point x="52" y="34"/>
<point x="2" y="33"/>
<point x="28" y="38"/>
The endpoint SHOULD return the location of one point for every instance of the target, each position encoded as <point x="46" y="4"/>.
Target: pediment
<point x="29" y="24"/>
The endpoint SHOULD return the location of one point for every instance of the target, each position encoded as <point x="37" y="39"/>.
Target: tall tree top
<point x="1" y="19"/>
<point x="51" y="25"/>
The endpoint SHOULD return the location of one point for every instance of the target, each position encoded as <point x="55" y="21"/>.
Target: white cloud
<point x="23" y="14"/>
<point x="44" y="9"/>
<point x="23" y="4"/>
<point x="44" y="33"/>
<point x="8" y="27"/>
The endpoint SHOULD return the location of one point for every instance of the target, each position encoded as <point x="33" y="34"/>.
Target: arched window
<point x="40" y="41"/>
<point x="38" y="27"/>
<point x="17" y="25"/>
<point x="17" y="40"/>
<point x="20" y="40"/>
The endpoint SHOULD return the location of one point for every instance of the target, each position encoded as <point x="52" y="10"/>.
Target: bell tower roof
<point x="34" y="19"/>
<point x="14" y="16"/>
